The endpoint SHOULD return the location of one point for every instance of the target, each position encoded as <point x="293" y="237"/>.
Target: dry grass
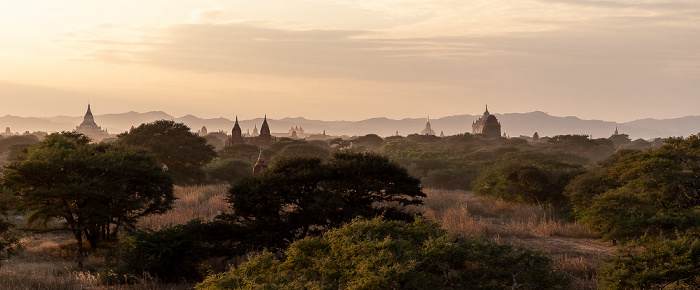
<point x="464" y="213"/>
<point x="204" y="202"/>
<point x="574" y="249"/>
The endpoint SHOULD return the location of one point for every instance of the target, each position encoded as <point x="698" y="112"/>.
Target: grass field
<point x="47" y="261"/>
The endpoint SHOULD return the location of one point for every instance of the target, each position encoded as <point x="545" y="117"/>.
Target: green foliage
<point x="216" y="139"/>
<point x="655" y="191"/>
<point x="451" y="177"/>
<point x="304" y="196"/>
<point x="172" y="144"/>
<point x="432" y="162"/>
<point x="97" y="189"/>
<point x="655" y="263"/>
<point x="245" y="152"/>
<point x="595" y="181"/>
<point x="9" y="243"/>
<point x="367" y="143"/>
<point x="527" y="177"/>
<point x="379" y="254"/>
<point x="175" y="253"/>
<point x="228" y="170"/>
<point x="7" y="143"/>
<point x="301" y="149"/>
<point x="583" y="146"/>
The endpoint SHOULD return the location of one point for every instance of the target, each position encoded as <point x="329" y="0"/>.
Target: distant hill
<point x="513" y="124"/>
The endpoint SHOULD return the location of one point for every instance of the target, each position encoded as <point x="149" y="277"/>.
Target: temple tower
<point x="260" y="165"/>
<point x="487" y="125"/>
<point x="265" y="138"/>
<point x="90" y="129"/>
<point x="428" y="130"/>
<point x="236" y="137"/>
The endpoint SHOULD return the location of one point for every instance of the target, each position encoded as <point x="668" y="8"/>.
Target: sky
<point x="613" y="60"/>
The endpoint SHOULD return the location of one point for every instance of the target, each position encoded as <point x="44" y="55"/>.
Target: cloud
<point x="209" y="15"/>
<point x="244" y="47"/>
<point x="254" y="48"/>
<point x="602" y="55"/>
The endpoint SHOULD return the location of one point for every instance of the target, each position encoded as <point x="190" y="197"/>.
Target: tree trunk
<point x="79" y="237"/>
<point x="93" y="238"/>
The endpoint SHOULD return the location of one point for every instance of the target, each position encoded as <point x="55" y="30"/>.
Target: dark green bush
<point x="176" y="253"/>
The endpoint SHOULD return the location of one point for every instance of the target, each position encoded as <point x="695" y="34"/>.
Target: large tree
<point x="97" y="189"/>
<point x="173" y="144"/>
<point x="653" y="192"/>
<point x="305" y="196"/>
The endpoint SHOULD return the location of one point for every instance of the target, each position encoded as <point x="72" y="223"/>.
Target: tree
<point x="301" y="149"/>
<point x="245" y="152"/>
<point x="656" y="191"/>
<point x="595" y="181"/>
<point x="655" y="263"/>
<point x="9" y="242"/>
<point x="369" y="142"/>
<point x="380" y="254"/>
<point x="527" y="177"/>
<point x="583" y="146"/>
<point x="97" y="189"/>
<point x="228" y="170"/>
<point x="173" y="144"/>
<point x="304" y="196"/>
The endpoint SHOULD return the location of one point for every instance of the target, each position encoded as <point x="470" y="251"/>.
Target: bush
<point x="655" y="263"/>
<point x="176" y="253"/>
<point x="379" y="254"/>
<point x="528" y="178"/>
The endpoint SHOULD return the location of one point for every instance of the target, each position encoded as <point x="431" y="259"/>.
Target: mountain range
<point x="513" y="124"/>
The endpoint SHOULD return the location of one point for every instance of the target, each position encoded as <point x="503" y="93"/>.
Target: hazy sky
<point x="616" y="60"/>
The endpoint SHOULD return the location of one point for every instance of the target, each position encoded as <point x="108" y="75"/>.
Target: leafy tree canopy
<point x="379" y="254"/>
<point x="172" y="144"/>
<point x="654" y="191"/>
<point x="97" y="189"/>
<point x="227" y="170"/>
<point x="305" y="196"/>
<point x="369" y="142"/>
<point x="527" y="177"/>
<point x="242" y="151"/>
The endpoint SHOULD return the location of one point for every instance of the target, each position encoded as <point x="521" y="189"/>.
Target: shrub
<point x="175" y="253"/>
<point x="655" y="263"/>
<point x="379" y="254"/>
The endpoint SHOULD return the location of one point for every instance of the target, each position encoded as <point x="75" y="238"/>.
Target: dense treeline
<point x="646" y="198"/>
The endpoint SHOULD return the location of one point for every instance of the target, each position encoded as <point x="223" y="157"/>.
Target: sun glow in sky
<point x="615" y="60"/>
